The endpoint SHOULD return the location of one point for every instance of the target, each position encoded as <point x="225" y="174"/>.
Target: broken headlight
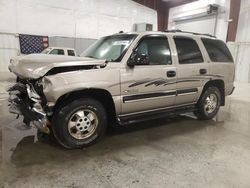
<point x="32" y="93"/>
<point x="44" y="82"/>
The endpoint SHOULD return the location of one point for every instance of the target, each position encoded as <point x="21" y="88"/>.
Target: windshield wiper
<point x="107" y="61"/>
<point x="90" y="56"/>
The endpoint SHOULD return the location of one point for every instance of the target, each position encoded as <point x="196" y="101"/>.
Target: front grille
<point x="18" y="87"/>
<point x="20" y="103"/>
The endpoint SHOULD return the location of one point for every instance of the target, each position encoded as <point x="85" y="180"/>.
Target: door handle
<point x="171" y="74"/>
<point x="203" y="71"/>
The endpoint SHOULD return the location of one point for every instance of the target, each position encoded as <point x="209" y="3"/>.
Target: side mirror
<point x="138" y="59"/>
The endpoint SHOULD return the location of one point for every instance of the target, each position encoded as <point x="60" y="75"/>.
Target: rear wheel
<point x="209" y="103"/>
<point x="79" y="123"/>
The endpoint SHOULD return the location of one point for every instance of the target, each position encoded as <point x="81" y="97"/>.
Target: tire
<point x="79" y="123"/>
<point x="206" y="111"/>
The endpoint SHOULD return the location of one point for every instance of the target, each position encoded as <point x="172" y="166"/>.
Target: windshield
<point x="45" y="51"/>
<point x="111" y="48"/>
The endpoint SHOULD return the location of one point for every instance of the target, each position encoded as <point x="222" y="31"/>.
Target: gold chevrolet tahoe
<point x="122" y="78"/>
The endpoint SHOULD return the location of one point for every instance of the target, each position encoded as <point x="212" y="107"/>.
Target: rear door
<point x="192" y="69"/>
<point x="149" y="87"/>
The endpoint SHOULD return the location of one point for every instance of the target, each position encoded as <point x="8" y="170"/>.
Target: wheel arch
<point x="220" y="85"/>
<point x="101" y="95"/>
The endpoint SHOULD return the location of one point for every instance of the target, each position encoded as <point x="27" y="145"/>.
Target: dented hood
<point x="37" y="65"/>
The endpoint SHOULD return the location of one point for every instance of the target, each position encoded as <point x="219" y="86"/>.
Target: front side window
<point x="110" y="48"/>
<point x="217" y="50"/>
<point x="157" y="49"/>
<point x="46" y="51"/>
<point x="188" y="50"/>
<point x="57" y="52"/>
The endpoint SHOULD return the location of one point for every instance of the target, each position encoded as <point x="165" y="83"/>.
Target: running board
<point x="140" y="117"/>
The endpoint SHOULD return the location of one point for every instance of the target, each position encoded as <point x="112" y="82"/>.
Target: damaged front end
<point x="27" y="99"/>
<point x="27" y="96"/>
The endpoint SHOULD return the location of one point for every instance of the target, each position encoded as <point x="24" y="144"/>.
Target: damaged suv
<point x="122" y="78"/>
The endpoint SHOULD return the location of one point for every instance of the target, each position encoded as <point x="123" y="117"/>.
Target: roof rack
<point x="180" y="31"/>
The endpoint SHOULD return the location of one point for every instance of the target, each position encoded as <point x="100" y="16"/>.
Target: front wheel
<point x="79" y="123"/>
<point x="209" y="103"/>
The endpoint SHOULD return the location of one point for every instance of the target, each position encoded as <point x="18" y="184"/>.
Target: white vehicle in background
<point x="59" y="51"/>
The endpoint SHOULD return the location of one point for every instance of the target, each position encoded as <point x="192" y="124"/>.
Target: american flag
<point x="33" y="43"/>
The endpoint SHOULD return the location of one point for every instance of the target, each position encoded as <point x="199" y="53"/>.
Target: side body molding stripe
<point x="145" y="96"/>
<point x="148" y="95"/>
<point x="186" y="91"/>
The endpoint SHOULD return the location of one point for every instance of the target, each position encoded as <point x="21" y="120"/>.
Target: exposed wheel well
<point x="100" y="95"/>
<point x="220" y="85"/>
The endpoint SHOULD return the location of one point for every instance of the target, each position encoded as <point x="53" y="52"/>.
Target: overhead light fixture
<point x="208" y="10"/>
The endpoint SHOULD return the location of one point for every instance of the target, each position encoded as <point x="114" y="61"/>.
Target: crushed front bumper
<point x="23" y="100"/>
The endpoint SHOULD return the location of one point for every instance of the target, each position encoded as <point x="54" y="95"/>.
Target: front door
<point x="153" y="86"/>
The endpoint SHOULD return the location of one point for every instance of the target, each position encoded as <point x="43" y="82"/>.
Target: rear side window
<point x="71" y="53"/>
<point x="217" y="50"/>
<point x="57" y="52"/>
<point x="188" y="50"/>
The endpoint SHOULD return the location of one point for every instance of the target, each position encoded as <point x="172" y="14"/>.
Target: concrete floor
<point x="174" y="152"/>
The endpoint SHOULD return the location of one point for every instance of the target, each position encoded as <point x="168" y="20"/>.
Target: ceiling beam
<point x="162" y="7"/>
<point x="234" y="16"/>
<point x="175" y="3"/>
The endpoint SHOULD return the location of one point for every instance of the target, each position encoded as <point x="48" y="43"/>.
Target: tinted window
<point x="188" y="50"/>
<point x="157" y="49"/>
<point x="57" y="52"/>
<point x="71" y="53"/>
<point x="217" y="50"/>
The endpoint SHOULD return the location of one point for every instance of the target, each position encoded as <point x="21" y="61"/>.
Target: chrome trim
<point x="39" y="112"/>
<point x="32" y="94"/>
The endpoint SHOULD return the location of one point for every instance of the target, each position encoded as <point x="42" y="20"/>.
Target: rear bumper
<point x="229" y="88"/>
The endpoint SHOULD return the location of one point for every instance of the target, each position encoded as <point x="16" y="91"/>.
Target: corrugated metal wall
<point x="79" y="44"/>
<point x="9" y="47"/>
<point x="242" y="65"/>
<point x="73" y="18"/>
<point x="243" y="43"/>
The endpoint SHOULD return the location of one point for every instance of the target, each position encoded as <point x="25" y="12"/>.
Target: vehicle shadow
<point x="28" y="152"/>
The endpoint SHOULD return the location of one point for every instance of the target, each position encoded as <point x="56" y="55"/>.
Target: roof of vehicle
<point x="57" y="47"/>
<point x="172" y="32"/>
